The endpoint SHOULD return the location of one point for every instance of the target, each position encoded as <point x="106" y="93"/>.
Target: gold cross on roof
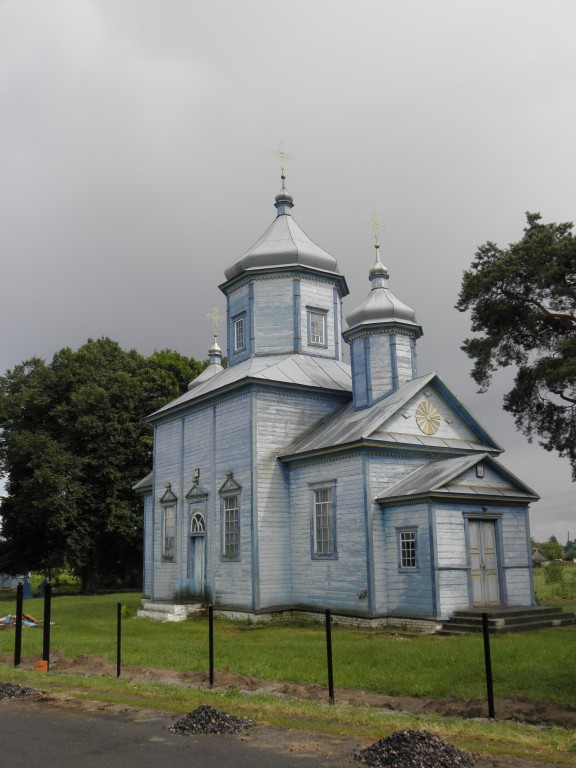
<point x="377" y="227"/>
<point x="216" y="317"/>
<point x="283" y="157"/>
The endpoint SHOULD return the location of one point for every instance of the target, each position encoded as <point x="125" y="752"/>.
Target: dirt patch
<point x="518" y="709"/>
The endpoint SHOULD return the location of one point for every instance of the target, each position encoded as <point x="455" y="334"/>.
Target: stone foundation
<point x="182" y="612"/>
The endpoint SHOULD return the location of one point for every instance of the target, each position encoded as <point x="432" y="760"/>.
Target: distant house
<point x="293" y="480"/>
<point x="8" y="582"/>
<point x="538" y="557"/>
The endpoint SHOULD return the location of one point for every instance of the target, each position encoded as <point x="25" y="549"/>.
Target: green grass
<point x="536" y="665"/>
<point x="553" y="594"/>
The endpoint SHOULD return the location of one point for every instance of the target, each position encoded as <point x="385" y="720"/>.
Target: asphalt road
<point x="42" y="735"/>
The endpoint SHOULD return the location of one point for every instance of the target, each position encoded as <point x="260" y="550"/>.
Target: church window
<point x="317" y="327"/>
<point x="197" y="524"/>
<point x="323" y="521"/>
<point x="168" y="530"/>
<point x="408" y="554"/>
<point x="239" y="333"/>
<point x="231" y="527"/>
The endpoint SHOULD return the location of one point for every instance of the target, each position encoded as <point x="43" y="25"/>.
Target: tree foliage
<point x="72" y="444"/>
<point x="523" y="306"/>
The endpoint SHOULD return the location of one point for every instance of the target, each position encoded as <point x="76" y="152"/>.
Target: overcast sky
<point x="135" y="165"/>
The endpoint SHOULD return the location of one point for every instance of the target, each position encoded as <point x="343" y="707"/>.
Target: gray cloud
<point x="135" y="164"/>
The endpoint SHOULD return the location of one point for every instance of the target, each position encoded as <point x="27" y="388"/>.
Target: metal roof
<point x="292" y="370"/>
<point x="348" y="425"/>
<point x="439" y="477"/>
<point x="284" y="244"/>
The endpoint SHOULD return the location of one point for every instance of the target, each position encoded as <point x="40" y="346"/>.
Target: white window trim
<point x="239" y="322"/>
<point x="321" y="314"/>
<point x="408" y="553"/>
<point x="229" y="552"/>
<point x="168" y="543"/>
<point x="316" y="489"/>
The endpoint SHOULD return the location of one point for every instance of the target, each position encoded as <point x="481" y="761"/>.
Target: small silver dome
<point x="381" y="306"/>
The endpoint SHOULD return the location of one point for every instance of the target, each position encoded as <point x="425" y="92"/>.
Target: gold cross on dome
<point x="216" y="318"/>
<point x="283" y="157"/>
<point x="377" y="227"/>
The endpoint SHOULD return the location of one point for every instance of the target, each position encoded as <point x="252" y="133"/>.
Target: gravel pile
<point x="14" y="691"/>
<point x="414" y="749"/>
<point x="209" y="720"/>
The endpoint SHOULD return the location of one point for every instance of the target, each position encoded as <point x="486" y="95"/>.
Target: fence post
<point x="329" y="656"/>
<point x="488" y="664"/>
<point x="18" y="633"/>
<point x="118" y="639"/>
<point x="211" y="643"/>
<point x="46" y="626"/>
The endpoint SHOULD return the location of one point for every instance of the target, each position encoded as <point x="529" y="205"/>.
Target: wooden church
<point x="294" y="481"/>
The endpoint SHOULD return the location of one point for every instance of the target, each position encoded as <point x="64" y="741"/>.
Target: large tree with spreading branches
<point x="522" y="301"/>
<point x="72" y="444"/>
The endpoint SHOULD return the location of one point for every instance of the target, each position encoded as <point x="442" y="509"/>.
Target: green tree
<point x="552" y="549"/>
<point x="523" y="306"/>
<point x="72" y="444"/>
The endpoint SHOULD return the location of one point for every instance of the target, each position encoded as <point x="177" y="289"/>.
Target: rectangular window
<point x="407" y="541"/>
<point x="168" y="529"/>
<point x="317" y="327"/>
<point x="324" y="522"/>
<point x="230" y="527"/>
<point x="239" y="335"/>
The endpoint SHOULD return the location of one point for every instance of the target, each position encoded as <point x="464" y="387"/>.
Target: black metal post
<point x="47" y="614"/>
<point x="211" y="643"/>
<point x="488" y="664"/>
<point x="118" y="639"/>
<point x="329" y="656"/>
<point x="18" y="633"/>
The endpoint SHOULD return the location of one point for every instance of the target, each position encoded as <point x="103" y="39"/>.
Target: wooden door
<point x="197" y="554"/>
<point x="483" y="562"/>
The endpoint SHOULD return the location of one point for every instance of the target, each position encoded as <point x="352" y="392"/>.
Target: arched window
<point x="197" y="524"/>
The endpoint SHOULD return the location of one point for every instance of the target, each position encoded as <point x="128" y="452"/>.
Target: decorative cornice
<point x="460" y="499"/>
<point x="351" y="334"/>
<point x="289" y="273"/>
<point x="250" y="386"/>
<point x="376" y="448"/>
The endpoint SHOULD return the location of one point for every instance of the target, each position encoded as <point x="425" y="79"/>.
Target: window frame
<point x="322" y="315"/>
<point x="318" y="507"/>
<point x="239" y="322"/>
<point x="168" y="552"/>
<point x="408" y="555"/>
<point x="229" y="552"/>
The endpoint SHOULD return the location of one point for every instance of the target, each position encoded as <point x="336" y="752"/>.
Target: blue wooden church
<point x="294" y="481"/>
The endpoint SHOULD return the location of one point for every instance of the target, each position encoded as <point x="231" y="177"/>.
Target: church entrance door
<point x="483" y="562"/>
<point x="197" y="554"/>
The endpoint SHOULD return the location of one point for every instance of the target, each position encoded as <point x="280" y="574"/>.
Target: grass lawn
<point x="536" y="665"/>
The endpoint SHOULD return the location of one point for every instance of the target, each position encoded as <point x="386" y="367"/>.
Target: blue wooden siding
<point x="279" y="420"/>
<point x="338" y="583"/>
<point x="317" y="294"/>
<point x="240" y="303"/>
<point x="148" y="541"/>
<point x="274" y="317"/>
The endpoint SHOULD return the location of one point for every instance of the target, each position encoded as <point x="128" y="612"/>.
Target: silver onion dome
<point x="284" y="244"/>
<point x="381" y="305"/>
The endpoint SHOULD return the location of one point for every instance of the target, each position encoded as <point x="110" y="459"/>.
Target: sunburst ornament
<point x="427" y="417"/>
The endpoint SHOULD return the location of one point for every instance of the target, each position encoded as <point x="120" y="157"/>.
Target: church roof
<point x="381" y="305"/>
<point x="379" y="424"/>
<point x="448" y="477"/>
<point x="284" y="244"/>
<point x="291" y="370"/>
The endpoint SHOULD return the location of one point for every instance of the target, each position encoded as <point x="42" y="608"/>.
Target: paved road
<point x="42" y="735"/>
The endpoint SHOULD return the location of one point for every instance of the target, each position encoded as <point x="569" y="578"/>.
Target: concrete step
<point x="507" y="620"/>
